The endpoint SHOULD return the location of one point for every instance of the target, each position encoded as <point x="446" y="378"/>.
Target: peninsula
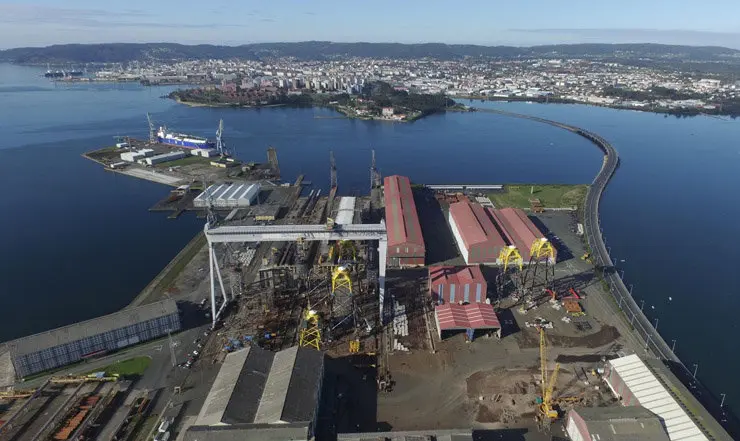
<point x="373" y="100"/>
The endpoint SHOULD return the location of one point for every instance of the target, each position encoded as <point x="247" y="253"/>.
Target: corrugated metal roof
<point x="218" y="397"/>
<point x="622" y="423"/>
<point x="263" y="387"/>
<point x="456" y="274"/>
<point x="346" y="211"/>
<point x="67" y="334"/>
<point x="471" y="316"/>
<point x="653" y="395"/>
<point x="248" y="432"/>
<point x="474" y="225"/>
<point x="305" y="386"/>
<point x="400" y="212"/>
<point x="245" y="398"/>
<point x="439" y="435"/>
<point x="519" y="229"/>
<point x="276" y="389"/>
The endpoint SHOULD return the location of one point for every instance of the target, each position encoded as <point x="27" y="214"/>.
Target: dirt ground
<point x="491" y="383"/>
<point x="487" y="383"/>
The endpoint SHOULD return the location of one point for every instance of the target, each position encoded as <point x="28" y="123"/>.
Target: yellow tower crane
<point x="311" y="331"/>
<point x="546" y="410"/>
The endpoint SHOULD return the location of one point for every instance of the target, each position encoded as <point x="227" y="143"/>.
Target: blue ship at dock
<point x="164" y="136"/>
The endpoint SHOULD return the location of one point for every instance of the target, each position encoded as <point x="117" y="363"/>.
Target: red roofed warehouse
<point x="471" y="317"/>
<point x="477" y="237"/>
<point x="518" y="229"/>
<point x="455" y="283"/>
<point x="405" y="241"/>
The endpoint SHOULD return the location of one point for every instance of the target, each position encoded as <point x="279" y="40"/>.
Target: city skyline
<point x="527" y="23"/>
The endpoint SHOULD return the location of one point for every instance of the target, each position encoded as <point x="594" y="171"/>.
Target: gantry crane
<point x="547" y="413"/>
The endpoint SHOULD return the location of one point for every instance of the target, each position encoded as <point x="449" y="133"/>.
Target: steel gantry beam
<point x="290" y="233"/>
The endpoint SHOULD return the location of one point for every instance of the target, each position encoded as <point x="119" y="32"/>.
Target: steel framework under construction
<point x="216" y="234"/>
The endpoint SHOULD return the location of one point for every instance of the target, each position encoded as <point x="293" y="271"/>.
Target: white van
<point x="163" y="426"/>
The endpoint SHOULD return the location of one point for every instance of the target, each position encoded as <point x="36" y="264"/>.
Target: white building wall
<point x="458" y="238"/>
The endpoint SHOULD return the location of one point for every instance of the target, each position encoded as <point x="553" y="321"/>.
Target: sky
<point x="486" y="22"/>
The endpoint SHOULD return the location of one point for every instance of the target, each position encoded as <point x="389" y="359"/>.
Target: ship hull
<point x="186" y="143"/>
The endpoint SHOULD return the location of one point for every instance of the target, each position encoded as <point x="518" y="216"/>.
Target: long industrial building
<point x="650" y="384"/>
<point x="481" y="232"/>
<point x="518" y="229"/>
<point x="228" y="195"/>
<point x="70" y="344"/>
<point x="259" y="394"/>
<point x="477" y="237"/>
<point x="405" y="241"/>
<point x="614" y="424"/>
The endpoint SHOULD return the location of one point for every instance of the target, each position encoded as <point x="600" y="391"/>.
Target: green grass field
<point x="188" y="160"/>
<point x="132" y="366"/>
<point x="551" y="196"/>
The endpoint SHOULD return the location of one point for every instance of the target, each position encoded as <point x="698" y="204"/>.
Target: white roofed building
<point x="650" y="384"/>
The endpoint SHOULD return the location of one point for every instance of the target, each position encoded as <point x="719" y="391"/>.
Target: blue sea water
<point x="78" y="241"/>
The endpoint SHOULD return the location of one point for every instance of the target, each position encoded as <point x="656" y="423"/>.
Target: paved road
<point x="652" y="340"/>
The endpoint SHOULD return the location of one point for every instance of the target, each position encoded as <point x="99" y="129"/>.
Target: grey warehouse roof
<point x="248" y="432"/>
<point x="225" y="192"/>
<point x="422" y="435"/>
<point x="259" y="386"/>
<point x="623" y="423"/>
<point x="67" y="334"/>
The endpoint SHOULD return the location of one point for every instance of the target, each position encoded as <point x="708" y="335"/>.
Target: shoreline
<point x="337" y="109"/>
<point x="170" y="271"/>
<point x="677" y="114"/>
<point x="614" y="284"/>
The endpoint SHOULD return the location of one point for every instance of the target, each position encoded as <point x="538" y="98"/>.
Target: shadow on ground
<point x="349" y="397"/>
<point x="438" y="239"/>
<point x="564" y="253"/>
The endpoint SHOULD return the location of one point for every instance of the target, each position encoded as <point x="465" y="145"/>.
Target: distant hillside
<point x="320" y="50"/>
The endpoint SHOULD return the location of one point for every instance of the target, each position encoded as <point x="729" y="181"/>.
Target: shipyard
<point x="411" y="310"/>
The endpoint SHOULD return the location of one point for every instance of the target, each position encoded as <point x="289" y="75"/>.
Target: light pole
<point x="622" y="274"/>
<point x="673" y="346"/>
<point x="696" y="368"/>
<point x="656" y="325"/>
<point x="722" y="403"/>
<point x="642" y="304"/>
<point x="631" y="286"/>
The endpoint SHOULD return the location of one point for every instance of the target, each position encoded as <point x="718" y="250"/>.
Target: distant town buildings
<point x="573" y="80"/>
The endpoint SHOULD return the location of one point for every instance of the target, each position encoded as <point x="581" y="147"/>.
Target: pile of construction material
<point x="400" y="326"/>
